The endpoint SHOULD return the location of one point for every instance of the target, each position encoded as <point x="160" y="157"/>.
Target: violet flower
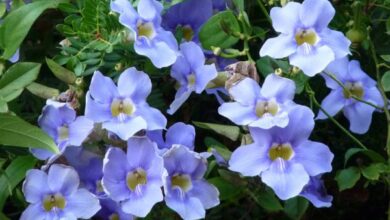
<point x="305" y="38"/>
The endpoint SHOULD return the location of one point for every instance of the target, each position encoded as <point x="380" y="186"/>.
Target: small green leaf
<point x="374" y="156"/>
<point x="219" y="147"/>
<point x="218" y="31"/>
<point x="347" y="178"/>
<point x="17" y="171"/>
<point x="231" y="132"/>
<point x="296" y="207"/>
<point x="267" y="200"/>
<point x="16" y="132"/>
<point x="373" y="171"/>
<point x="17" y="24"/>
<point x="386" y="81"/>
<point x="17" y="77"/>
<point x="226" y="190"/>
<point x="385" y="58"/>
<point x="60" y="72"/>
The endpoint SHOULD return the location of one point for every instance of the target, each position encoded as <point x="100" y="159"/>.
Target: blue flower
<point x="151" y="40"/>
<point x="186" y="192"/>
<point x="178" y="134"/>
<point x="191" y="73"/>
<point x="315" y="192"/>
<point x="357" y="83"/>
<point x="112" y="210"/>
<point x="59" y="121"/>
<point x="284" y="157"/>
<point x="305" y="37"/>
<point x="260" y="107"/>
<point x="134" y="179"/>
<point x="56" y="195"/>
<point x="123" y="109"/>
<point x="89" y="166"/>
<point x="190" y="15"/>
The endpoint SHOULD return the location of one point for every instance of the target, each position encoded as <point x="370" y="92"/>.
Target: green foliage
<point x="231" y="132"/>
<point x="13" y="175"/>
<point x="16" y="25"/>
<point x="60" y="72"/>
<point x="296" y="207"/>
<point x="347" y="178"/>
<point x="386" y="81"/>
<point x="220" y="31"/>
<point x="16" y="132"/>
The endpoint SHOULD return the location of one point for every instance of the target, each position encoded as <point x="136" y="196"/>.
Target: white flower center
<point x="283" y="151"/>
<point x="263" y="107"/>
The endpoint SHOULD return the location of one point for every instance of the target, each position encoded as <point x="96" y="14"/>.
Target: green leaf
<point x="13" y="175"/>
<point x="17" y="24"/>
<point x="226" y="190"/>
<point x="219" y="147"/>
<point x="17" y="77"/>
<point x="218" y="31"/>
<point x="385" y="58"/>
<point x="267" y="200"/>
<point x="16" y="132"/>
<point x="231" y="132"/>
<point x="386" y="81"/>
<point x="374" y="156"/>
<point x="347" y="178"/>
<point x="373" y="171"/>
<point x="296" y="207"/>
<point x="60" y="72"/>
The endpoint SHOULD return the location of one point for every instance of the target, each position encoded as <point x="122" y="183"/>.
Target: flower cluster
<point x="118" y="160"/>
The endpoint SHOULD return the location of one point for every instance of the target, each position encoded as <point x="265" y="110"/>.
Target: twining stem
<point x="311" y="94"/>
<point x="351" y="95"/>
<point x="384" y="97"/>
<point x="264" y="10"/>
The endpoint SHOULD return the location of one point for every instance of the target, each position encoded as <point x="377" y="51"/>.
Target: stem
<point x="384" y="97"/>
<point x="311" y="94"/>
<point x="351" y="95"/>
<point x="264" y="10"/>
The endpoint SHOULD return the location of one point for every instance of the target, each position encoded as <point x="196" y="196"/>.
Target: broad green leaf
<point x="347" y="178"/>
<point x="16" y="171"/>
<point x="386" y="81"/>
<point x="226" y="190"/>
<point x="374" y="156"/>
<point x="296" y="207"/>
<point x="3" y="105"/>
<point x="219" y="147"/>
<point x="231" y="132"/>
<point x="17" y="77"/>
<point x="60" y="72"/>
<point x="2" y="9"/>
<point x="16" y="132"/>
<point x="17" y="24"/>
<point x="42" y="91"/>
<point x="267" y="200"/>
<point x="218" y="31"/>
<point x="385" y="58"/>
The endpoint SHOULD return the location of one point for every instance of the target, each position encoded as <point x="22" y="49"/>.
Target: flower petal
<point x="82" y="204"/>
<point x="63" y="179"/>
<point x="141" y="205"/>
<point x="193" y="54"/>
<point x="250" y="160"/>
<point x="336" y="41"/>
<point x="246" y="91"/>
<point x="279" y="47"/>
<point x="180" y="133"/>
<point x="79" y="130"/>
<point x="149" y="9"/>
<point x="280" y="88"/>
<point x="316" y="13"/>
<point x="35" y="185"/>
<point x="339" y="68"/>
<point x="102" y="89"/>
<point x="203" y="75"/>
<point x="285" y="178"/>
<point x="190" y="208"/>
<point x="141" y="152"/>
<point x="135" y="84"/>
<point x="125" y="129"/>
<point x="207" y="193"/>
<point x="332" y="103"/>
<point x="238" y="113"/>
<point x="181" y="96"/>
<point x="357" y="74"/>
<point x="359" y="116"/>
<point x="98" y="112"/>
<point x="285" y="19"/>
<point x="154" y="118"/>
<point x="34" y="211"/>
<point x="315" y="157"/>
<point x="268" y="121"/>
<point x="321" y="56"/>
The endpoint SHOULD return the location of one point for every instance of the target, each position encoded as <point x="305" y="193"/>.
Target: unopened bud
<point x="279" y="72"/>
<point x="216" y="50"/>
